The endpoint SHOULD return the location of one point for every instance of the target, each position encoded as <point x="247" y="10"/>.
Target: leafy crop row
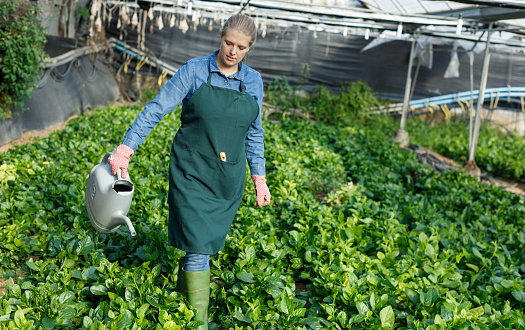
<point x="498" y="154"/>
<point x="359" y="235"/>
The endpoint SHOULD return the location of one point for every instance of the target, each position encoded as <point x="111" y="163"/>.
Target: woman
<point x="220" y="128"/>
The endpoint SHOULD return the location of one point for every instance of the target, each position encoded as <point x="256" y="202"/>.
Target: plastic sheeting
<point x="63" y="91"/>
<point x="332" y="58"/>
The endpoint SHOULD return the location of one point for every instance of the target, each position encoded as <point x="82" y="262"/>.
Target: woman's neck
<point x="229" y="71"/>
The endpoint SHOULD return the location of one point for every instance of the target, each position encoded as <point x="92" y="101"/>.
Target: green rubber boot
<point x="198" y="294"/>
<point x="181" y="280"/>
<point x="196" y="287"/>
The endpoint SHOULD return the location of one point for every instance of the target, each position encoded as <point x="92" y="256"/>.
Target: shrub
<point x="351" y="103"/>
<point x="22" y="43"/>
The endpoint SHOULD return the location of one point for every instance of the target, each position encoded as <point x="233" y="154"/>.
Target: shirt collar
<point x="214" y="67"/>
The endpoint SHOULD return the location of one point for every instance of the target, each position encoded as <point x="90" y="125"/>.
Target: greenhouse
<point x="377" y="181"/>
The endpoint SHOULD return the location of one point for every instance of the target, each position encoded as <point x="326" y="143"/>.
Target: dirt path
<point x="29" y="136"/>
<point x="441" y="163"/>
<point x="3" y="283"/>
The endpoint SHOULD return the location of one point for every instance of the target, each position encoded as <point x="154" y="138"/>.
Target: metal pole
<point x="471" y="105"/>
<point x="481" y="96"/>
<point x="415" y="78"/>
<point x="408" y="84"/>
<point x="401" y="135"/>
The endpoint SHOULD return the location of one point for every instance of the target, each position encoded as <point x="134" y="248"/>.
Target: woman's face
<point x="234" y="45"/>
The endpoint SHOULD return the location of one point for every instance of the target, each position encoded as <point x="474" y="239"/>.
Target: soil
<point x="30" y="136"/>
<point x="3" y="282"/>
<point x="441" y="163"/>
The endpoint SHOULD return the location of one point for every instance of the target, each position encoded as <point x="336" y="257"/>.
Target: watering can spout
<point x="124" y="220"/>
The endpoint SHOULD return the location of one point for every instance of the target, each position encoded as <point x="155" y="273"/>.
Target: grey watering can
<point x="108" y="198"/>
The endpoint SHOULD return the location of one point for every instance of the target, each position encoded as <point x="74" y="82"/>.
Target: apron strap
<point x="243" y="87"/>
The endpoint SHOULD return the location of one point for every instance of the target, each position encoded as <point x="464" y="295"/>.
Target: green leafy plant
<point x="350" y="104"/>
<point x="22" y="43"/>
<point x="84" y="12"/>
<point x="280" y="93"/>
<point x="498" y="154"/>
<point x="393" y="245"/>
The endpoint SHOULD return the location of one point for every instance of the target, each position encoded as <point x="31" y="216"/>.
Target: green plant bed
<point x="359" y="235"/>
<point x="498" y="154"/>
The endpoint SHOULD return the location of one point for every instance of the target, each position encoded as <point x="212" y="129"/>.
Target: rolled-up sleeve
<point x="255" y="136"/>
<point x="169" y="97"/>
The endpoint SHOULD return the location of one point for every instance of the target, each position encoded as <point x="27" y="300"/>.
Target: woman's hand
<point x="120" y="159"/>
<point x="262" y="191"/>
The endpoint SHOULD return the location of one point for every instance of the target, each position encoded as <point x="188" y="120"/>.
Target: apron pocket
<point x="212" y="176"/>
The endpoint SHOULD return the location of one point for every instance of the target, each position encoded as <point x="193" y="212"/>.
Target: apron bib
<point x="207" y="170"/>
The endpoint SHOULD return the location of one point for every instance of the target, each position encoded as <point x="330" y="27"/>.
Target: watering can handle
<point x="105" y="161"/>
<point x="106" y="157"/>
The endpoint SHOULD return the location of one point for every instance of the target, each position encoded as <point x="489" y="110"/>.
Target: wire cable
<point x="244" y="7"/>
<point x="83" y="73"/>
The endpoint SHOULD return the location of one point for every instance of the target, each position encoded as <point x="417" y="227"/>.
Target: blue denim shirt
<point x="181" y="87"/>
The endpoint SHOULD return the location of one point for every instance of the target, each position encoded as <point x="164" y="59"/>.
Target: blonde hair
<point x="243" y="24"/>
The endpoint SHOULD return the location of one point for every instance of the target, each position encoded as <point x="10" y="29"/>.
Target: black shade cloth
<point x="332" y="58"/>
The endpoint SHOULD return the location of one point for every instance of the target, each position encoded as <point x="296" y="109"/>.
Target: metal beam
<point x="292" y="13"/>
<point x="359" y="13"/>
<point x="473" y="38"/>
<point x="516" y="4"/>
<point x="275" y="16"/>
<point x="487" y="14"/>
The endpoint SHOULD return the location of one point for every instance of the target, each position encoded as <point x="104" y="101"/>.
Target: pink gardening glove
<point x="120" y="159"/>
<point x="263" y="193"/>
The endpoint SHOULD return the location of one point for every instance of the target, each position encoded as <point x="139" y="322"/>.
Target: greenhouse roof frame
<point x="463" y="23"/>
<point x="516" y="4"/>
<point x="356" y="13"/>
<point x="411" y="6"/>
<point x="486" y="13"/>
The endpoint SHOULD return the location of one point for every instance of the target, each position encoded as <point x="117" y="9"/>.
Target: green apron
<point x="205" y="191"/>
